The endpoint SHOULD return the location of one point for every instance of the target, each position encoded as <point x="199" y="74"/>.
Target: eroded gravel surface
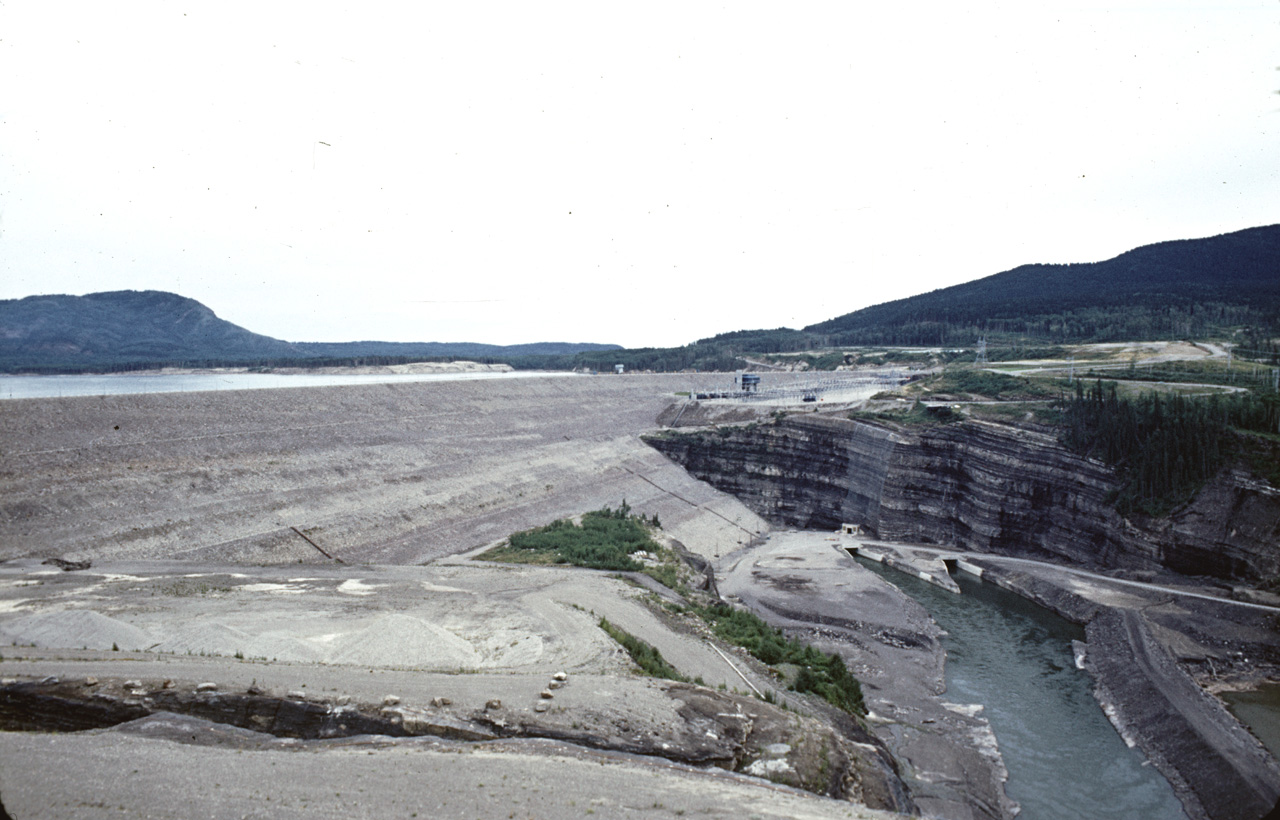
<point x="390" y="473"/>
<point x="481" y="650"/>
<point x="130" y="772"/>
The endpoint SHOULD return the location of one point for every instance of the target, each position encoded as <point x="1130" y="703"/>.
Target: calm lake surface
<point x="114" y="384"/>
<point x="1065" y="759"/>
<point x="1260" y="711"/>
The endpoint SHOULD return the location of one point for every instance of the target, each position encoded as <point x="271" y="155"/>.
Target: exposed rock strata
<point x="977" y="486"/>
<point x="1011" y="491"/>
<point x="731" y="732"/>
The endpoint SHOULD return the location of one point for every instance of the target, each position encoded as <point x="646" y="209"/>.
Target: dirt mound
<point x="402" y="640"/>
<point x="73" y="629"/>
<point x="215" y="638"/>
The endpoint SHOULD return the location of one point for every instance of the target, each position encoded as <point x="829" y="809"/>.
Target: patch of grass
<point x="645" y="655"/>
<point x="823" y="674"/>
<point x="605" y="539"/>
<point x="667" y="574"/>
<point x="917" y="414"/>
<point x="984" y="384"/>
<point x="1014" y="412"/>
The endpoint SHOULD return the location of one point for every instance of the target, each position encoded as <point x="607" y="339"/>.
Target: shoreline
<point x="947" y="753"/>
<point x="409" y="368"/>
<point x="1137" y="651"/>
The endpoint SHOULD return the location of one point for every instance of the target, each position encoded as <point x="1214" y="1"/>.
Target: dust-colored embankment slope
<point x="392" y="473"/>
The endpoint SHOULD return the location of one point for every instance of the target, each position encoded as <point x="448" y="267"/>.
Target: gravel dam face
<point x="390" y="473"/>
<point x="234" y="576"/>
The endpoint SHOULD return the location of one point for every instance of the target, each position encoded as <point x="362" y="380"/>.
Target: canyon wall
<point x="977" y="486"/>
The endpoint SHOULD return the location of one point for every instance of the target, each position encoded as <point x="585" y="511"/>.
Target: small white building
<point x="619" y="368"/>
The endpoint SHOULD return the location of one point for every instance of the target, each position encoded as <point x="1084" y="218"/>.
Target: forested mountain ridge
<point x="1183" y="288"/>
<point x="120" y="326"/>
<point x="128" y="329"/>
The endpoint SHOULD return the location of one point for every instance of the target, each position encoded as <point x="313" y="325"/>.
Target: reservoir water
<point x="1260" y="711"/>
<point x="1065" y="760"/>
<point x="113" y="384"/>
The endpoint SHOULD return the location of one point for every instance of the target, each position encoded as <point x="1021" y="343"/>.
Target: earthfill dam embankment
<point x="389" y="473"/>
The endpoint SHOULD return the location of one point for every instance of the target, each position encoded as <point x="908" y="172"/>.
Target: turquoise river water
<point x="1065" y="760"/>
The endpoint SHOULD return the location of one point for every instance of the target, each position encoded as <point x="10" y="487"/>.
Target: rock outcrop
<point x="977" y="486"/>
<point x="838" y="759"/>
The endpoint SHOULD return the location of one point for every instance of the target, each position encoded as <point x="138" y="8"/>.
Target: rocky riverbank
<point x="1154" y="654"/>
<point x="806" y="584"/>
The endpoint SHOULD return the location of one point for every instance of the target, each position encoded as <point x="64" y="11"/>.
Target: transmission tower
<point x="982" y="351"/>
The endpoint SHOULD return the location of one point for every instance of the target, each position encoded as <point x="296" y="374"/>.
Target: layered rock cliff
<point x="977" y="486"/>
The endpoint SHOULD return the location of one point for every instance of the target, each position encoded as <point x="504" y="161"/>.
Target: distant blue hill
<point x="129" y="329"/>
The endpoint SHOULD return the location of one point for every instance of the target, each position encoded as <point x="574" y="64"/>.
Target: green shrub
<point x="825" y="675"/>
<point x="645" y="655"/>
<point x="605" y="539"/>
<point x="916" y="414"/>
<point x="988" y="384"/>
<point x="667" y="574"/>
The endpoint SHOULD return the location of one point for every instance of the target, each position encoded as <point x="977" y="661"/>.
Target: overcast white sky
<point x="640" y="173"/>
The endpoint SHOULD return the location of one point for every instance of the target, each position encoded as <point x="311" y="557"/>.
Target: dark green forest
<point x="1165" y="447"/>
<point x="1225" y="286"/>
<point x="1171" y="290"/>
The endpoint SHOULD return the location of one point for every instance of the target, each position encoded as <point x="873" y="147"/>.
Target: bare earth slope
<point x="453" y="689"/>
<point x="199" y="669"/>
<point x="393" y="473"/>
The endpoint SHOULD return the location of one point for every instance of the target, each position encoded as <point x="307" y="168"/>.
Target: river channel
<point x="1065" y="760"/>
